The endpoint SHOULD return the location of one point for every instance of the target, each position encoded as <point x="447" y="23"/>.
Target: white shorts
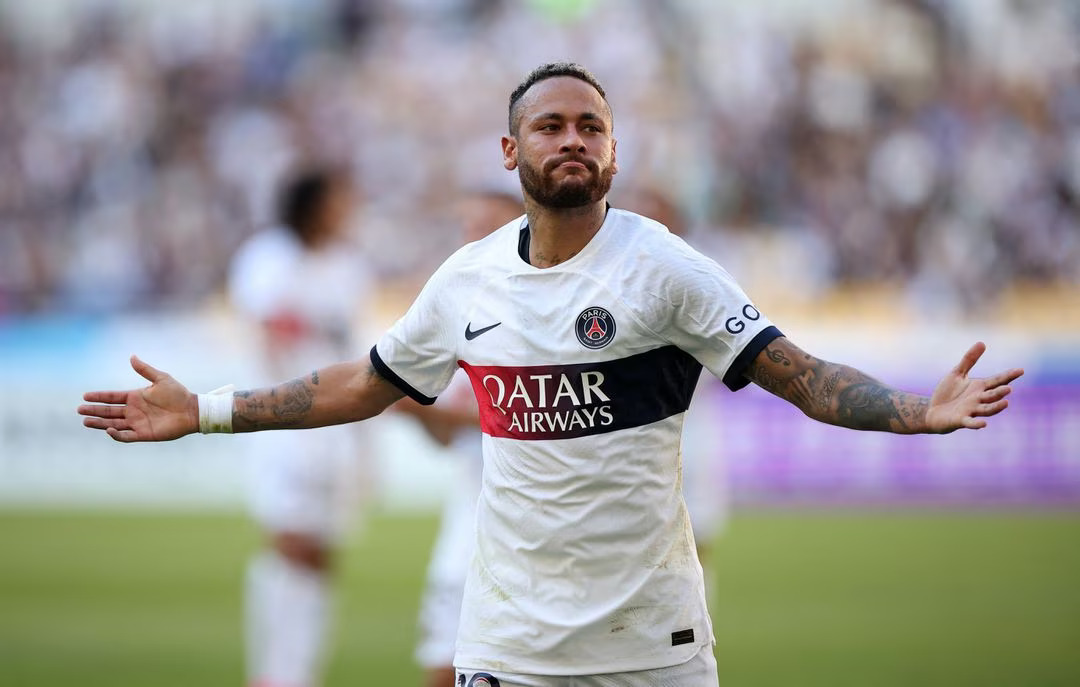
<point x="699" y="671"/>
<point x="310" y="481"/>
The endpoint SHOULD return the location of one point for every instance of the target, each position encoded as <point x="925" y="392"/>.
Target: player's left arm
<point x="841" y="395"/>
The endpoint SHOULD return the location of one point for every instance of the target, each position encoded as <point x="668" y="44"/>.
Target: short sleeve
<point x="713" y="319"/>
<point x="418" y="354"/>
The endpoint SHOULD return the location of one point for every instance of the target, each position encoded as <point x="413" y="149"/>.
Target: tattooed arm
<point x="166" y="410"/>
<point x="841" y="395"/>
<point x="345" y="392"/>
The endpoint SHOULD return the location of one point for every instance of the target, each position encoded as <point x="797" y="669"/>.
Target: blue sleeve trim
<point x="736" y="378"/>
<point x="389" y="375"/>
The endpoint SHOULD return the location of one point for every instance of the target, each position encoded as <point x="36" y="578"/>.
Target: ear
<point x="509" y="148"/>
<point x="614" y="163"/>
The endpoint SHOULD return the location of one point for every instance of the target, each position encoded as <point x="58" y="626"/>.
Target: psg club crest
<point x="483" y="680"/>
<point x="595" y="328"/>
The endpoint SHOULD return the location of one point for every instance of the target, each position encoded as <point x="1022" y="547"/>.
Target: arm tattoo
<point x="866" y="404"/>
<point x="269" y="409"/>
<point x="295" y="402"/>
<point x="777" y="356"/>
<point x="763" y="378"/>
<point x="836" y="394"/>
<point x="825" y="394"/>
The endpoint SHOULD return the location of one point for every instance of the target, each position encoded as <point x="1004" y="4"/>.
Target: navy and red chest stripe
<point x="573" y="400"/>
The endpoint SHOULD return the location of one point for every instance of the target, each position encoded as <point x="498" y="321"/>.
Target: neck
<point x="558" y="234"/>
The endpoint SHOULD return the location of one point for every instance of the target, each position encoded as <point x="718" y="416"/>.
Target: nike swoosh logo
<point x="471" y="333"/>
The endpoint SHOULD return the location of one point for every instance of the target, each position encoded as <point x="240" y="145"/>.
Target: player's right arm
<point x="165" y="410"/>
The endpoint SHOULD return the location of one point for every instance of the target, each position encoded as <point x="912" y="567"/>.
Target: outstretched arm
<point x="841" y="395"/>
<point x="166" y="410"/>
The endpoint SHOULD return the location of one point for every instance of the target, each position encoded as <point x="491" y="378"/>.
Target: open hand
<point x="960" y="401"/>
<point x="162" y="411"/>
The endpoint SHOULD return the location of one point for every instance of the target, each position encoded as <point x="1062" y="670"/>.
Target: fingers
<point x="995" y="394"/>
<point x="102" y="411"/>
<point x="989" y="409"/>
<point x="991" y="400"/>
<point x="973" y="423"/>
<point x="124" y="436"/>
<point x="117" y="429"/>
<point x="1006" y="377"/>
<point x="148" y="372"/>
<point x="104" y="423"/>
<point x="970" y="358"/>
<point x="105" y="397"/>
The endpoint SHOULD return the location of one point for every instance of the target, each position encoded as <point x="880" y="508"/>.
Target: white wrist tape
<point x="215" y="411"/>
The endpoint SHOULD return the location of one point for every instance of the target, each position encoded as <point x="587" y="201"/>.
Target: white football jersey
<point x="585" y="561"/>
<point x="326" y="292"/>
<point x="311" y="481"/>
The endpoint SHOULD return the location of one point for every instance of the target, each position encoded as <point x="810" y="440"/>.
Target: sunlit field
<point x="799" y="598"/>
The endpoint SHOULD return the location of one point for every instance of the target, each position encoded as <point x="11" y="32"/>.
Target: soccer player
<point x="583" y="330"/>
<point x="304" y="286"/>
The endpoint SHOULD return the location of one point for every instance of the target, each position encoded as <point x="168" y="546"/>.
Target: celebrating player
<point x="583" y="330"/>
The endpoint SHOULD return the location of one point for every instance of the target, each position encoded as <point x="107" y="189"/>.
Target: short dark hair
<point x="302" y="197"/>
<point x="549" y="71"/>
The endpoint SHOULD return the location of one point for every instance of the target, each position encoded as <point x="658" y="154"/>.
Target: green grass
<point x="900" y="599"/>
<point x="800" y="598"/>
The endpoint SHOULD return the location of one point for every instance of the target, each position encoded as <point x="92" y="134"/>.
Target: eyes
<point x="553" y="127"/>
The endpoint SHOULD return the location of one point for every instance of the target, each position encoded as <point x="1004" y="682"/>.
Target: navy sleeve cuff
<point x="735" y="378"/>
<point x="389" y="375"/>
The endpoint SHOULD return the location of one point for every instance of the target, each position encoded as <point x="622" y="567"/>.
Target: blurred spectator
<point x="932" y="145"/>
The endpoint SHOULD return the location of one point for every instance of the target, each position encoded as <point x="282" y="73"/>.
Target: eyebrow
<point x="559" y="116"/>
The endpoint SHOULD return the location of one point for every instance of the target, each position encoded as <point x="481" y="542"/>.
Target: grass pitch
<point x="799" y="598"/>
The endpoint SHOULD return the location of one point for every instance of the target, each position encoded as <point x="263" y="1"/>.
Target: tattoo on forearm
<point x="867" y="404"/>
<point x="914" y="410"/>
<point x="315" y="377"/>
<point x="836" y="394"/>
<point x="267" y="409"/>
<point x="295" y="402"/>
<point x="825" y="394"/>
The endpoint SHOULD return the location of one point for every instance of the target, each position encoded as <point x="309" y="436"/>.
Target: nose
<point x="572" y="141"/>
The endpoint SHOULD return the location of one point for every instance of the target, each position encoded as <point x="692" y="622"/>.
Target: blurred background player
<point x="453" y="422"/>
<point x="305" y="286"/>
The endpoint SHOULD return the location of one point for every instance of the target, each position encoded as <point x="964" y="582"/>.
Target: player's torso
<point x="568" y="351"/>
<point x="315" y="299"/>
<point x="582" y="526"/>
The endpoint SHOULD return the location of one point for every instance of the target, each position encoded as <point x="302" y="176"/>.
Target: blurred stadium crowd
<point x="929" y="144"/>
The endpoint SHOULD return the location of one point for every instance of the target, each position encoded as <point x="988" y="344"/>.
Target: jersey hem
<point x="526" y="667"/>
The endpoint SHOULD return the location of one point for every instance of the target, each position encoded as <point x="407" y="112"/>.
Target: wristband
<point x="215" y="411"/>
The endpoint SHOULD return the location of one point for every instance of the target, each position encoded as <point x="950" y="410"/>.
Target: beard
<point x="571" y="192"/>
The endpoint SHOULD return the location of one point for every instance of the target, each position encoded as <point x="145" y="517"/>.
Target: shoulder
<point x="650" y="242"/>
<point x="663" y="268"/>
<point x="266" y="245"/>
<point x="494" y="252"/>
<point x="633" y="221"/>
